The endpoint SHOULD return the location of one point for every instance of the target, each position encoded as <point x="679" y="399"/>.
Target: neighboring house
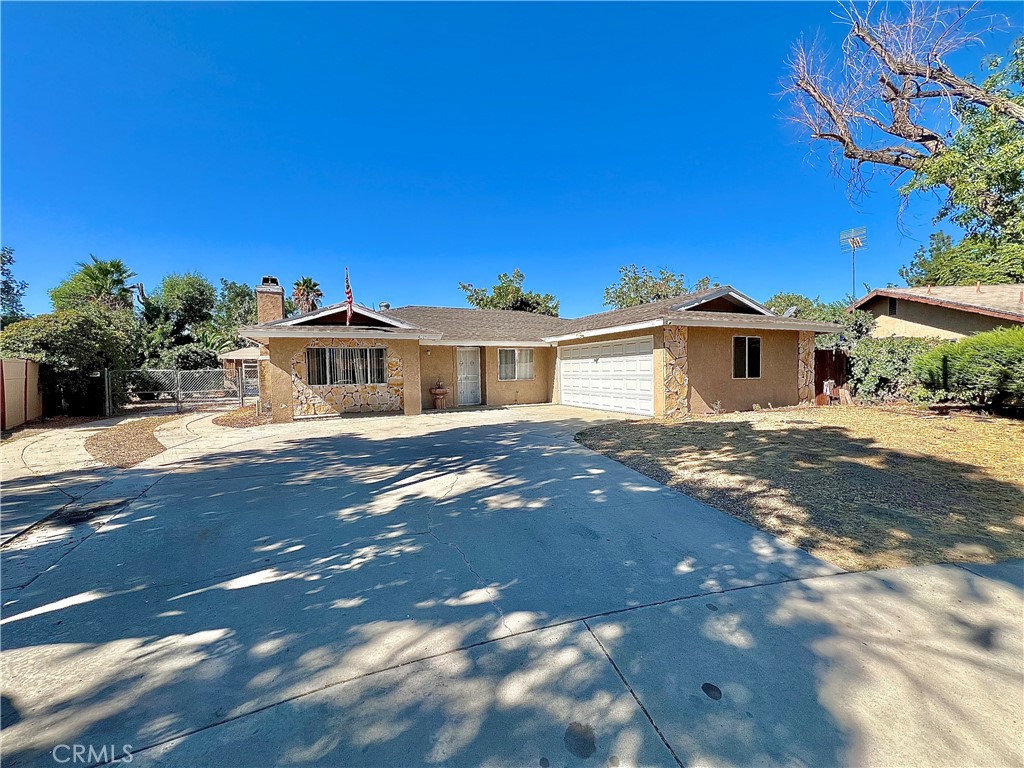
<point x="945" y="312"/>
<point x="246" y="359"/>
<point x="716" y="349"/>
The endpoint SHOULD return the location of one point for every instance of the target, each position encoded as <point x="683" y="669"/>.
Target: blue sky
<point x="427" y="144"/>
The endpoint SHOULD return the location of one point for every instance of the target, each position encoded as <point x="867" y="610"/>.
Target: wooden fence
<point x="20" y="398"/>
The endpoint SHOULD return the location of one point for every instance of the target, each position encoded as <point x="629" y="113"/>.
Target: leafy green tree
<point x="103" y="282"/>
<point x="188" y="357"/>
<point x="638" y="285"/>
<point x="801" y="305"/>
<point x="509" y="294"/>
<point x="975" y="259"/>
<point x="982" y="167"/>
<point x="11" y="291"/>
<point x="307" y="294"/>
<point x="71" y="346"/>
<point x="175" y="312"/>
<point x="856" y="324"/>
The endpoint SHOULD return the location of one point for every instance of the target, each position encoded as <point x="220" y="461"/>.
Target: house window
<point x="892" y="307"/>
<point x="326" y="367"/>
<point x="746" y="357"/>
<point x="514" y="364"/>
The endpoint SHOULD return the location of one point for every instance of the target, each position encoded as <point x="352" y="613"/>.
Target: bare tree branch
<point x="889" y="82"/>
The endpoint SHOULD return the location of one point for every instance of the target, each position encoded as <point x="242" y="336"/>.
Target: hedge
<point x="986" y="369"/>
<point x="881" y="368"/>
<point x="73" y="346"/>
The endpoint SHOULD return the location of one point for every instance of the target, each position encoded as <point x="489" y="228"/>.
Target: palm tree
<point x="307" y="294"/>
<point x="107" y="282"/>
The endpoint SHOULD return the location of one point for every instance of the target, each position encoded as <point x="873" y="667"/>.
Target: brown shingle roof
<point x="997" y="300"/>
<point x="638" y="314"/>
<point x="480" y="324"/>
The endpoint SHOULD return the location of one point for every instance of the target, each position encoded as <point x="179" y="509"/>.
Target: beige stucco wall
<point x="709" y="352"/>
<point x="437" y="363"/>
<point x="284" y="393"/>
<point x="535" y="390"/>
<point x="22" y="400"/>
<point x="928" y="320"/>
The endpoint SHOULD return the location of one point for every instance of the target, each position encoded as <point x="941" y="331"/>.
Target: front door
<point x="469" y="375"/>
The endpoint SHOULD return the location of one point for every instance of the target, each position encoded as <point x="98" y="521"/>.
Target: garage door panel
<point x="613" y="376"/>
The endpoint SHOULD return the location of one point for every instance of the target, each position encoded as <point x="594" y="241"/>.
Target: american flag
<point x="348" y="299"/>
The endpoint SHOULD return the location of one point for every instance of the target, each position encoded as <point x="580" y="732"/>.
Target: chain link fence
<point x="205" y="389"/>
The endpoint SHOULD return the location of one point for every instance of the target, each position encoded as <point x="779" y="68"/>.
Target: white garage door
<point x="610" y="376"/>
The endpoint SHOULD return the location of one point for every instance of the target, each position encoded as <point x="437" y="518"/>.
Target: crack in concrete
<point x="491" y="597"/>
<point x="633" y="693"/>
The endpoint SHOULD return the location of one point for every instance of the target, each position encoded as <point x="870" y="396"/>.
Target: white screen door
<point x="469" y="375"/>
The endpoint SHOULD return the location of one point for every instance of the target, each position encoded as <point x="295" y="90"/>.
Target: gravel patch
<point x="125" y="445"/>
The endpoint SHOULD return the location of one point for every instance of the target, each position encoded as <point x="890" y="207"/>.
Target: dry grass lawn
<point x="860" y="487"/>
<point x="125" y="445"/>
<point x="240" y="418"/>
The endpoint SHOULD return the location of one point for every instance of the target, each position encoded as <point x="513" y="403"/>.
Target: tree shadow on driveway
<point x="350" y="601"/>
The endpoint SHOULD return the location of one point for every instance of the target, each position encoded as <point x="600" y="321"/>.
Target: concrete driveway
<point x="471" y="589"/>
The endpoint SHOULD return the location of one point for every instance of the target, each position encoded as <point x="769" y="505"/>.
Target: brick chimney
<point x="269" y="300"/>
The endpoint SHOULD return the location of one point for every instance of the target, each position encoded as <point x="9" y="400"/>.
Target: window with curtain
<point x="345" y="365"/>
<point x="515" y="364"/>
<point x="746" y="357"/>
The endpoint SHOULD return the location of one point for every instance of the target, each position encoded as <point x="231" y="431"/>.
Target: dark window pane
<point x="316" y="366"/>
<point x="892" y="307"/>
<point x="378" y="365"/>
<point x="753" y="357"/>
<point x="739" y="357"/>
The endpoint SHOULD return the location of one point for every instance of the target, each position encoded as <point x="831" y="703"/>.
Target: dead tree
<point x="887" y="99"/>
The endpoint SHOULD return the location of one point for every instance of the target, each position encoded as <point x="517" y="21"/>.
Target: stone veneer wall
<point x="677" y="379"/>
<point x="805" y="367"/>
<point x="326" y="399"/>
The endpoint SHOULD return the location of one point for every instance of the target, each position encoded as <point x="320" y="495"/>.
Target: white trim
<point x="330" y="332"/>
<point x="475" y="343"/>
<point x="725" y="291"/>
<point x="758" y="322"/>
<point x="515" y="362"/>
<point x="605" y="331"/>
<point x="333" y="308"/>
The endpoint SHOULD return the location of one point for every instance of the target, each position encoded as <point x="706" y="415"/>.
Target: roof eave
<point x="606" y="331"/>
<point x="260" y="333"/>
<point x="939" y="302"/>
<point x="773" y="323"/>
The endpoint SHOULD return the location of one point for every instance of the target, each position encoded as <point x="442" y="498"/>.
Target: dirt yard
<point x="242" y="418"/>
<point x="125" y="445"/>
<point x="861" y="487"/>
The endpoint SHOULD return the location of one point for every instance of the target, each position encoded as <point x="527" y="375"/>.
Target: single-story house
<point x="944" y="312"/>
<point x="244" y="359"/>
<point x="711" y="350"/>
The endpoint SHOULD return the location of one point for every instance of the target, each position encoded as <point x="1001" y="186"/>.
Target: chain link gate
<point x="205" y="389"/>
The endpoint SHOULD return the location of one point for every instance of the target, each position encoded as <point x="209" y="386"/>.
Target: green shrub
<point x="188" y="357"/>
<point x="72" y="346"/>
<point x="881" y="368"/>
<point x="987" y="369"/>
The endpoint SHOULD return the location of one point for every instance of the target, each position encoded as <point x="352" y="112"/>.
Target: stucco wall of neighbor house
<point x="928" y="320"/>
<point x="709" y="354"/>
<point x="659" y="360"/>
<point x="437" y="363"/>
<point x="520" y="391"/>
